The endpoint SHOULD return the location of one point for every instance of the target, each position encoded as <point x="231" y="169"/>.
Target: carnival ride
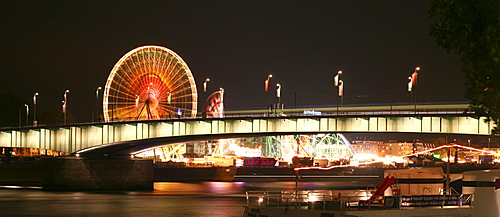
<point x="325" y="146"/>
<point x="215" y="104"/>
<point x="319" y="146"/>
<point x="149" y="82"/>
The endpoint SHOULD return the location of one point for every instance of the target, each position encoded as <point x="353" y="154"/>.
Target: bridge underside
<point x="73" y="138"/>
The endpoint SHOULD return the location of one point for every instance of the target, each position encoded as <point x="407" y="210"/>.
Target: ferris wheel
<point x="149" y="82"/>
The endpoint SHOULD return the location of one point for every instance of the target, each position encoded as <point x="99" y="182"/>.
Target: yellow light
<point x="354" y="163"/>
<point x="313" y="198"/>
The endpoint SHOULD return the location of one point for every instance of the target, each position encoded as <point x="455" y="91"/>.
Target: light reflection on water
<point x="168" y="199"/>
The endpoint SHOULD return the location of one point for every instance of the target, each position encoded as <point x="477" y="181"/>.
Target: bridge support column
<point x="71" y="173"/>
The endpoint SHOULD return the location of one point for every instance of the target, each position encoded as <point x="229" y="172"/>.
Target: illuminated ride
<point x="149" y="82"/>
<point x="215" y="104"/>
<point x="326" y="146"/>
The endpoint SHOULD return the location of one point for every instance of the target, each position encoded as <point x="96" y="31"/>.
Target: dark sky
<point x="51" y="46"/>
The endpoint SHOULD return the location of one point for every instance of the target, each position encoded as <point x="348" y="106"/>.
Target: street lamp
<point x="97" y="102"/>
<point x="35" y="123"/>
<point x="266" y="88"/>
<point x="340" y="88"/>
<point x="410" y="89"/>
<point x="64" y="104"/>
<point x="27" y="113"/>
<point x="341" y="91"/>
<point x="64" y="110"/>
<point x="336" y="78"/>
<point x="278" y="95"/>
<point x="221" y="114"/>
<point x="414" y="76"/>
<point x="205" y="85"/>
<point x="205" y="96"/>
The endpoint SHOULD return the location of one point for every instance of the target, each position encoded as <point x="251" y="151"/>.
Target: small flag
<point x="266" y="83"/>
<point x="278" y="91"/>
<point x="341" y="88"/>
<point x="169" y="98"/>
<point x="336" y="80"/>
<point x="414" y="78"/>
<point x="410" y="84"/>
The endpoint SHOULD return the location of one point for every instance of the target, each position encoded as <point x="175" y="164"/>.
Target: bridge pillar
<point x="72" y="173"/>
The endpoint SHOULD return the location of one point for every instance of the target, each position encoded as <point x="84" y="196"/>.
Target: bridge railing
<point x="352" y="110"/>
<point x="306" y="113"/>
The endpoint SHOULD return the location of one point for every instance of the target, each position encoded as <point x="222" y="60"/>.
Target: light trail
<point x="451" y="145"/>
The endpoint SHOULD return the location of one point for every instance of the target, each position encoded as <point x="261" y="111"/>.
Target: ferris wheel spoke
<point x="122" y="95"/>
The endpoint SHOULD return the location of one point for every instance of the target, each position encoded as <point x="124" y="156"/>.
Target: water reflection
<point x="168" y="199"/>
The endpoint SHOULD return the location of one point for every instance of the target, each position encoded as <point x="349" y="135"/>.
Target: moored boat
<point x="406" y="192"/>
<point x="189" y="173"/>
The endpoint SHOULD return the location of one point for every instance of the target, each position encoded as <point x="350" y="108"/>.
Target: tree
<point x="471" y="28"/>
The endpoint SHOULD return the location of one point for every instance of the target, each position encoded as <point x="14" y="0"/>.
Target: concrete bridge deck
<point x="447" y="119"/>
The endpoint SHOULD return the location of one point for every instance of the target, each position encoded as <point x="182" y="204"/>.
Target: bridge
<point x="447" y="119"/>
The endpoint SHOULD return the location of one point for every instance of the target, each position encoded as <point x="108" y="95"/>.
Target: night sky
<point x="51" y="46"/>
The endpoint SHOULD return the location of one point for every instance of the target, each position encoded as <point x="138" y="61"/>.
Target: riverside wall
<point x="72" y="173"/>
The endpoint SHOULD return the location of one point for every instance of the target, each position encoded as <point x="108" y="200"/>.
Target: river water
<point x="168" y="199"/>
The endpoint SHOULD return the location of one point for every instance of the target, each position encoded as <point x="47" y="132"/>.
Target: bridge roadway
<point x="125" y="138"/>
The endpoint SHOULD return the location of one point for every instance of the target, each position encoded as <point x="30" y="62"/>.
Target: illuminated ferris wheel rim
<point x="125" y="57"/>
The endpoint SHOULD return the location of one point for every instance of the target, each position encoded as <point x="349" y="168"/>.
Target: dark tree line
<point x="471" y="28"/>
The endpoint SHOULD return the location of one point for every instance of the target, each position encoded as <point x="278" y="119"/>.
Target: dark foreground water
<point x="168" y="199"/>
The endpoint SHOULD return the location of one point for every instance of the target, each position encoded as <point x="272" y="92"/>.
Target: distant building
<point x="368" y="147"/>
<point x="392" y="147"/>
<point x="406" y="148"/>
<point x="398" y="148"/>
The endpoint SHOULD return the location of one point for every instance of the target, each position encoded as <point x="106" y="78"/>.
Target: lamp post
<point x="205" y="85"/>
<point x="447" y="182"/>
<point x="341" y="92"/>
<point x="221" y="114"/>
<point x="266" y="88"/>
<point x="65" y="102"/>
<point x="410" y="89"/>
<point x="35" y="123"/>
<point x="205" y="96"/>
<point x="27" y="113"/>
<point x="278" y="95"/>
<point x="414" y="76"/>
<point x="97" y="102"/>
<point x="336" y="80"/>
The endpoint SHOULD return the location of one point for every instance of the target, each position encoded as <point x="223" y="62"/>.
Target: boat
<point x="181" y="172"/>
<point x="403" y="192"/>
